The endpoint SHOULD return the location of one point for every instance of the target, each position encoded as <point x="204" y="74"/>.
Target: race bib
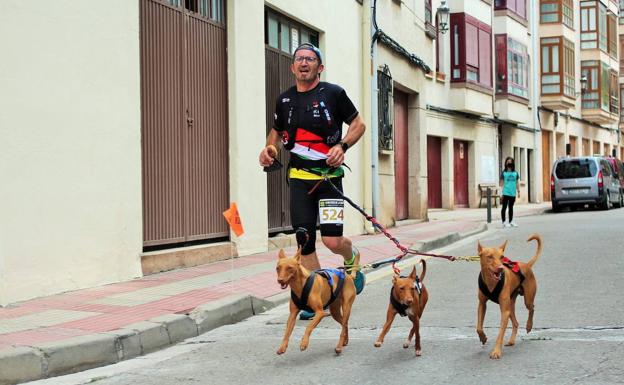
<point x="331" y="211"/>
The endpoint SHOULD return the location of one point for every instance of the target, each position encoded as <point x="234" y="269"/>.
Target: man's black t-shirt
<point x="311" y="122"/>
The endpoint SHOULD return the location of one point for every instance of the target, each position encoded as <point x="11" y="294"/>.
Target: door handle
<point x="189" y="119"/>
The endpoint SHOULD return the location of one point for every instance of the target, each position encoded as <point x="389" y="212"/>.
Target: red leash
<point x="384" y="231"/>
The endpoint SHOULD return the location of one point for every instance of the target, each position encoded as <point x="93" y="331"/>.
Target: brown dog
<point x="291" y="273"/>
<point x="501" y="281"/>
<point x="408" y="296"/>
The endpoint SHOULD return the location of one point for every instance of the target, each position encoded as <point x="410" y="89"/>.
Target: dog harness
<point x="328" y="274"/>
<point x="493" y="296"/>
<point x="398" y="306"/>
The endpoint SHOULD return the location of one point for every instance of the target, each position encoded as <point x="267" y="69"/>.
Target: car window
<point x="576" y="168"/>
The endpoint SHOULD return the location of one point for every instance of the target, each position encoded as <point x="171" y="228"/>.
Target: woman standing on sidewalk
<point x="511" y="188"/>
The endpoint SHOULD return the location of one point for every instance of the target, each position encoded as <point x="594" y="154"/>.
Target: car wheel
<point x="621" y="201"/>
<point x="606" y="203"/>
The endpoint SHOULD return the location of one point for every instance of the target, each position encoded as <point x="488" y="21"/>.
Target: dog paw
<point x="496" y="354"/>
<point x="338" y="351"/>
<point x="510" y="343"/>
<point x="378" y="344"/>
<point x="482" y="337"/>
<point x="303" y="346"/>
<point x="281" y="350"/>
<point x="418" y="352"/>
<point x="406" y="345"/>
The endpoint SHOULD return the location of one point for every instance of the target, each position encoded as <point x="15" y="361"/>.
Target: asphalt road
<point x="578" y="335"/>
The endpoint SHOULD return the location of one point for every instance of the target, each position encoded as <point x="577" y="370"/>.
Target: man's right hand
<point x="267" y="155"/>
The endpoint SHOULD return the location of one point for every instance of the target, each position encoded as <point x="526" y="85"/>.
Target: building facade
<point x="129" y="126"/>
<point x="579" y="81"/>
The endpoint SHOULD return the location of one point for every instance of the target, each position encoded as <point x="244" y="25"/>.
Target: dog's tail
<point x="533" y="259"/>
<point x="424" y="269"/>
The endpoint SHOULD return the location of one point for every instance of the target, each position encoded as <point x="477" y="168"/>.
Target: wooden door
<point x="460" y="161"/>
<point x="401" y="175"/>
<point x="184" y="127"/>
<point x="595" y="148"/>
<point x="434" y="172"/>
<point x="546" y="165"/>
<point x="278" y="79"/>
<point x="572" y="145"/>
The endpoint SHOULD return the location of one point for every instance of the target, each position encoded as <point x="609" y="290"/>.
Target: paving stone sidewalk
<point x="87" y="328"/>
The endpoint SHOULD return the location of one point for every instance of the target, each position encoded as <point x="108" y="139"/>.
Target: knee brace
<point x="306" y="238"/>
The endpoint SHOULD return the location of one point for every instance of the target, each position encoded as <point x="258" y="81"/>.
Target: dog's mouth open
<point x="496" y="275"/>
<point x="283" y="284"/>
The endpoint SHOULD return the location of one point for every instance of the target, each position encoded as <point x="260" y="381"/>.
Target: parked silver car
<point x="576" y="181"/>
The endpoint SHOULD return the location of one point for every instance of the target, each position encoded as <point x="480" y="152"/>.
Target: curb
<point x="51" y="359"/>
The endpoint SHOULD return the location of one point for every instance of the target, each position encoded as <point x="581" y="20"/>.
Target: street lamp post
<point x="442" y="16"/>
<point x="583" y="85"/>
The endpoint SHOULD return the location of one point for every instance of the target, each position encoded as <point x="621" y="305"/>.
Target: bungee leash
<point x="404" y="250"/>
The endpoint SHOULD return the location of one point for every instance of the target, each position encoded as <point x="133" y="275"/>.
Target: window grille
<point x="384" y="84"/>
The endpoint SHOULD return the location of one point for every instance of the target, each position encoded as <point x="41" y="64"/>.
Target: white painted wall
<point x="70" y="150"/>
<point x="246" y="90"/>
<point x="340" y="27"/>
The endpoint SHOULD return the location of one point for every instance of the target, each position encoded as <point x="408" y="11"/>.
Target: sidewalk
<point x="78" y="330"/>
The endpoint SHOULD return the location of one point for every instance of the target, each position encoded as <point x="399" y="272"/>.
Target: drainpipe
<point x="374" y="113"/>
<point x="537" y="145"/>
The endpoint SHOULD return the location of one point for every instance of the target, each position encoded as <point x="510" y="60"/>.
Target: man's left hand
<point x="335" y="156"/>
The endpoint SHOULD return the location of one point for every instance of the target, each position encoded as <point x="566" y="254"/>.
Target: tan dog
<point x="405" y="299"/>
<point x="499" y="283"/>
<point x="291" y="273"/>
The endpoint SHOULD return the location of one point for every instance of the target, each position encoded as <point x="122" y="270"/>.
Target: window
<point x="621" y="11"/>
<point x="512" y="67"/>
<point x="621" y="103"/>
<point x="594" y="33"/>
<point x="575" y="168"/>
<point x="600" y="81"/>
<point x="557" y="54"/>
<point x="385" y="102"/>
<point x="286" y="35"/>
<point x="591" y="96"/>
<point x="428" y="13"/>
<point x="430" y="30"/>
<point x="605" y="94"/>
<point x="557" y="11"/>
<point x="471" y="50"/>
<point x="622" y="54"/>
<point x="211" y="9"/>
<point x="614" y="91"/>
<point x="516" y="6"/>
<point x="612" y="36"/>
<point x="569" y="87"/>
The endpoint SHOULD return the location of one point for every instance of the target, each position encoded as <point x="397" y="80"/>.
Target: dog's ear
<point x="394" y="278"/>
<point x="503" y="246"/>
<point x="413" y="273"/>
<point x="298" y="255"/>
<point x="479" y="247"/>
<point x="281" y="254"/>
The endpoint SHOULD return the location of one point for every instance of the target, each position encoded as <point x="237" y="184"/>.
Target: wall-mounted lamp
<point x="583" y="85"/>
<point x="442" y="16"/>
